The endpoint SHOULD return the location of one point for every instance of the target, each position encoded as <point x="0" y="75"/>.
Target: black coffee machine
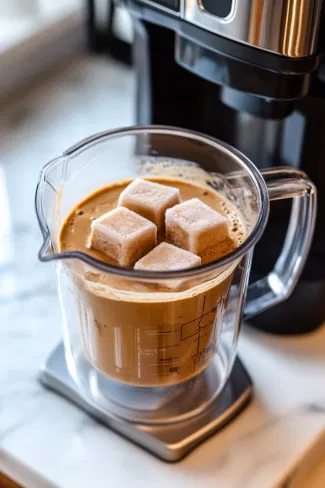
<point x="248" y="72"/>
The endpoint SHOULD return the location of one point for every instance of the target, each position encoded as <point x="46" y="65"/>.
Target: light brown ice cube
<point x="167" y="257"/>
<point x="194" y="226"/>
<point x="123" y="235"/>
<point x="149" y="199"/>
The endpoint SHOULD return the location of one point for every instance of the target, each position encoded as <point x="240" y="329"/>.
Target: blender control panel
<point x="242" y="21"/>
<point x="217" y="8"/>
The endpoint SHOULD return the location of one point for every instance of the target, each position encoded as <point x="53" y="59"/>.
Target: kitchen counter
<point x="47" y="442"/>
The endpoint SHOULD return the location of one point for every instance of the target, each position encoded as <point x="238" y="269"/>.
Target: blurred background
<point x="37" y="34"/>
<point x="59" y="83"/>
<point x="64" y="76"/>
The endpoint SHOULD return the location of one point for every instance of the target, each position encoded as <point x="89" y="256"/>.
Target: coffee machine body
<point x="248" y="73"/>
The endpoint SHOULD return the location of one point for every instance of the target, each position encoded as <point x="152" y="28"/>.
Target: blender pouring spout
<point x="46" y="252"/>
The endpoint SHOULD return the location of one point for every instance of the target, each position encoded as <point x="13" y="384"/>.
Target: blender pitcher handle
<point x="279" y="284"/>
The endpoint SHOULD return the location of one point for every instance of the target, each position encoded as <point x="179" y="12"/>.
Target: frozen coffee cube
<point x="123" y="235"/>
<point x="194" y="226"/>
<point x="149" y="199"/>
<point x="167" y="257"/>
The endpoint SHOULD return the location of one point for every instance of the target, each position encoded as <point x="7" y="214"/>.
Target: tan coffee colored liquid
<point x="148" y="334"/>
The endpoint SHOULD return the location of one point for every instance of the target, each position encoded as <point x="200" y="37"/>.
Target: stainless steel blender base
<point x="170" y="442"/>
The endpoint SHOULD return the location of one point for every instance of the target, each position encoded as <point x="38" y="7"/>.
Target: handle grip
<point x="279" y="284"/>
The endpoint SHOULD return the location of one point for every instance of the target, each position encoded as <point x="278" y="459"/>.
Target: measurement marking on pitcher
<point x="166" y="374"/>
<point x="198" y="341"/>
<point x="199" y="332"/>
<point x="217" y="317"/>
<point x="138" y="351"/>
<point x="171" y="362"/>
<point x="158" y="332"/>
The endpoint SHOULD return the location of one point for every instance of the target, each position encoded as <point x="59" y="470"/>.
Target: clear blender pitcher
<point x="156" y="347"/>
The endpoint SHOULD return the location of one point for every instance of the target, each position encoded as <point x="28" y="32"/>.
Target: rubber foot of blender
<point x="168" y="442"/>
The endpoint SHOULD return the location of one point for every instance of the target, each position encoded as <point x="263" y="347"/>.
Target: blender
<point x="141" y="390"/>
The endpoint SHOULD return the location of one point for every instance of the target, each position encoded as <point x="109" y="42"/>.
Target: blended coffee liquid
<point x="148" y="334"/>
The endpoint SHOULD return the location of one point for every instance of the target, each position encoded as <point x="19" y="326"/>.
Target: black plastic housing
<point x="187" y="94"/>
<point x="264" y="76"/>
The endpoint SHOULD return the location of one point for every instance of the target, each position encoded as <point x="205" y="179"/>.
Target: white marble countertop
<point x="44" y="440"/>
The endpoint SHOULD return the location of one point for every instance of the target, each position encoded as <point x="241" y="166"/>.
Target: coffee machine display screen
<point x="219" y="8"/>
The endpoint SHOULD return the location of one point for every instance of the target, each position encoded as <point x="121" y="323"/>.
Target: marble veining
<point x="44" y="440"/>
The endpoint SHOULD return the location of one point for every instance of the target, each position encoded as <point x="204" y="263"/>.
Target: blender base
<point x="170" y="442"/>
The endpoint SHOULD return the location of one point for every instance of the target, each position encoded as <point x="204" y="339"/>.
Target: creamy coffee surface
<point x="148" y="334"/>
<point x="76" y="228"/>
